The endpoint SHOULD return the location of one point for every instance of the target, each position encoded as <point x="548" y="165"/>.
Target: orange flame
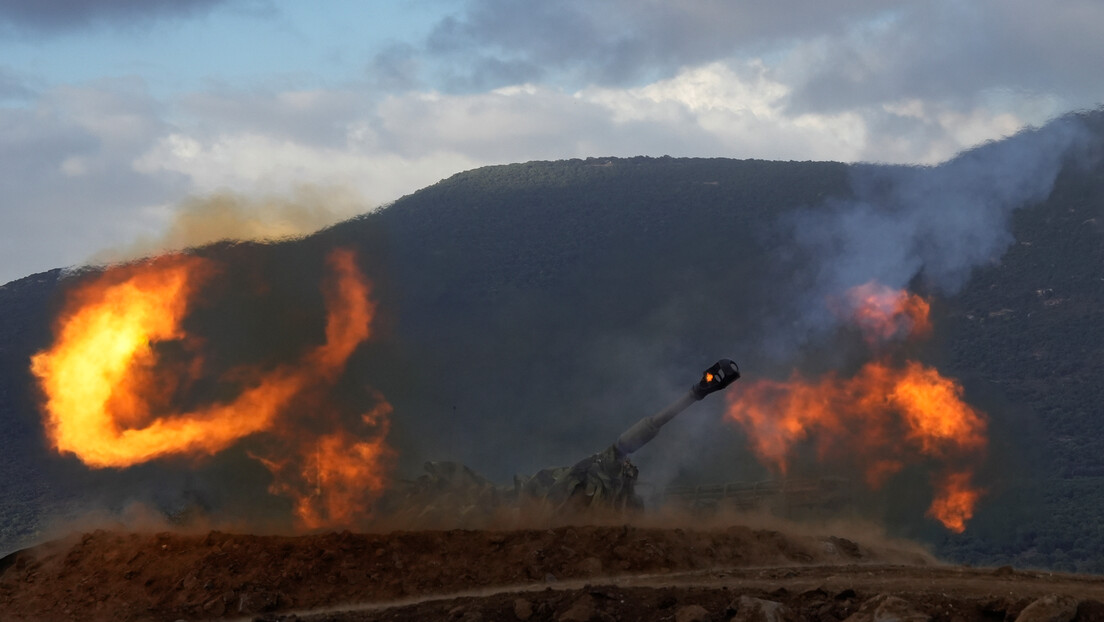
<point x="337" y="475"/>
<point x="885" y="314"/>
<point x="101" y="377"/>
<point x="955" y="502"/>
<point x="881" y="418"/>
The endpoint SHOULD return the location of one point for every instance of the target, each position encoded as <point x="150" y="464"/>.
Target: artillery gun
<point x="450" y="492"/>
<point x="608" y="478"/>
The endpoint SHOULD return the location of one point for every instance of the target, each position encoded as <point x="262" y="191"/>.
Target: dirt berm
<point x="562" y="574"/>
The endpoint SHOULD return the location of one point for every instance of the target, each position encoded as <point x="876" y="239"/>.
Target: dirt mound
<point x="130" y="576"/>
<point x="561" y="574"/>
<point x="921" y="596"/>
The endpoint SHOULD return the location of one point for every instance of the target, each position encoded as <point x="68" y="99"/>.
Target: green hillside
<point x="1030" y="331"/>
<point x="531" y="312"/>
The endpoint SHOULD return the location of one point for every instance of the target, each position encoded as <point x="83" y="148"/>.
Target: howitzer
<point x="451" y="493"/>
<point x="607" y="477"/>
<point x="723" y="373"/>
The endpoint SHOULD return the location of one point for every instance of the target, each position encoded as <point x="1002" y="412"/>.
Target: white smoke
<point x="936" y="223"/>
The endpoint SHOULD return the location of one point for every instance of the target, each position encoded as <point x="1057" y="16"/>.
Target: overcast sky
<point x="117" y="115"/>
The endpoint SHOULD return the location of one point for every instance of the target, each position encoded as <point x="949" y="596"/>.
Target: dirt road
<point x="562" y="574"/>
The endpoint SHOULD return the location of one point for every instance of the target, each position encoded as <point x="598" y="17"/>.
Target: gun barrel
<point x="723" y="373"/>
<point x="646" y="429"/>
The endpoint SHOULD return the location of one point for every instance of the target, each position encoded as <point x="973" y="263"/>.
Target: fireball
<point x="883" y="417"/>
<point x="106" y="397"/>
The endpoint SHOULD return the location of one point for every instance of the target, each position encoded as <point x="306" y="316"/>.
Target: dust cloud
<point x="222" y="216"/>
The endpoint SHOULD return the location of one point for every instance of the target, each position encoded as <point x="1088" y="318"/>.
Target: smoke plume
<point x="231" y="216"/>
<point x="936" y="223"/>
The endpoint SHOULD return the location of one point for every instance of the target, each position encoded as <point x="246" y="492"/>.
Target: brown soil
<point x="566" y="573"/>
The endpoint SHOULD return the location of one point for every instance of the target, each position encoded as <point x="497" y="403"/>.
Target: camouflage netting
<point x="451" y="494"/>
<point x="607" y="480"/>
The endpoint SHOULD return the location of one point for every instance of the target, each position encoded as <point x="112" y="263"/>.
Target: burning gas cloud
<point x="111" y="401"/>
<point x="888" y="414"/>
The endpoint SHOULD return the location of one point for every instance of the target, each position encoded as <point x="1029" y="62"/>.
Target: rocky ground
<point x="563" y="574"/>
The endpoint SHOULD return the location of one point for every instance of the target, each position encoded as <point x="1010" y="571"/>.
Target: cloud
<point x="620" y="42"/>
<point x="60" y="15"/>
<point x="973" y="52"/>
<point x="734" y="110"/>
<point x="396" y="69"/>
<point x="96" y="165"/>
<point x="834" y="57"/>
<point x="314" y="117"/>
<point x="252" y="142"/>
<point x="255" y="163"/>
<point x="13" y="86"/>
<point x="67" y="187"/>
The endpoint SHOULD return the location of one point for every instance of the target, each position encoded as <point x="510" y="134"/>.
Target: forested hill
<point x="528" y="313"/>
<point x="561" y="300"/>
